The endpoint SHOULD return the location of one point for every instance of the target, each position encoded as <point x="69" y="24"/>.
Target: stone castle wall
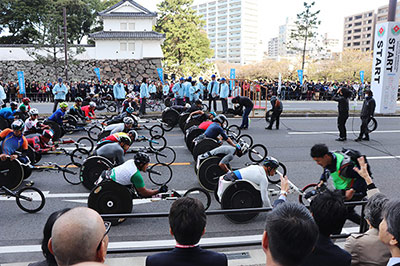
<point x="82" y="70"/>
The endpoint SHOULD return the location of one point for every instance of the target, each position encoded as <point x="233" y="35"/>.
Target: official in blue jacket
<point x="144" y="94"/>
<point x="60" y="92"/>
<point x="213" y="90"/>
<point x="223" y="95"/>
<point x="119" y="93"/>
<point x="179" y="90"/>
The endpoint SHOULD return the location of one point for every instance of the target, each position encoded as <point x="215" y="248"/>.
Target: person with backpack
<point x="277" y="108"/>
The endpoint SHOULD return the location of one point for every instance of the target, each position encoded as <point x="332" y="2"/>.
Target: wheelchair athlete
<point x="256" y="174"/>
<point x="227" y="153"/>
<point x="40" y="143"/>
<point x="126" y="126"/>
<point x="119" y="118"/>
<point x="114" y="150"/>
<point x="32" y="124"/>
<point x="76" y="109"/>
<point x="128" y="174"/>
<point x="89" y="110"/>
<point x="8" y="112"/>
<point x="58" y="116"/>
<point x="216" y="132"/>
<point x="11" y="141"/>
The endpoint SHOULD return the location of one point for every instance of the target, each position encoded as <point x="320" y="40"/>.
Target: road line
<point x="336" y="132"/>
<point x="383" y="157"/>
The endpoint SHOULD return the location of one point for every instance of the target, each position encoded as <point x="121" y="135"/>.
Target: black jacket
<point x="244" y="101"/>
<point x="276" y="108"/>
<point x="343" y="104"/>
<point x="368" y="108"/>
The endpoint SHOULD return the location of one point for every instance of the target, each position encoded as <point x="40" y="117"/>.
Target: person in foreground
<point x="79" y="235"/>
<point x="187" y="220"/>
<point x="389" y="230"/>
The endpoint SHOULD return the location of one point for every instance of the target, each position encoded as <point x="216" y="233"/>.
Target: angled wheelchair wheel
<point x="11" y="174"/>
<point x="160" y="174"/>
<point x="233" y="131"/>
<point x="276" y="178"/>
<point x="72" y="120"/>
<point x="240" y="195"/>
<point x="30" y="199"/>
<point x="307" y="190"/>
<point x="182" y="120"/>
<point x="91" y="170"/>
<point x="200" y="194"/>
<point x="190" y="123"/>
<point x="94" y="133"/>
<point x="85" y="143"/>
<point x="31" y="154"/>
<point x="268" y="115"/>
<point x="372" y="125"/>
<point x="158" y="143"/>
<point x="257" y="153"/>
<point x="209" y="173"/>
<point x="166" y="156"/>
<point x="203" y="146"/>
<point x="78" y="156"/>
<point x="110" y="197"/>
<point x="245" y="138"/>
<point x="156" y="131"/>
<point x="191" y="134"/>
<point x="170" y="117"/>
<point x="72" y="176"/>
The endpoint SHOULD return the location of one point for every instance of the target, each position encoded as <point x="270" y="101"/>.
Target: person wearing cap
<point x="25" y="103"/>
<point x="200" y="88"/>
<point x="144" y="94"/>
<point x="179" y="90"/>
<point x="193" y="93"/>
<point x="114" y="150"/>
<point x="119" y="93"/>
<point x="60" y="92"/>
<point x="224" y="93"/>
<point x="131" y="101"/>
<point x="188" y="85"/>
<point x="213" y="89"/>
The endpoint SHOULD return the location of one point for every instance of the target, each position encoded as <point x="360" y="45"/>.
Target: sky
<point x="273" y="13"/>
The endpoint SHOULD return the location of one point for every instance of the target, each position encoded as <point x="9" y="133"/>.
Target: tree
<point x="186" y="46"/>
<point x="306" y="29"/>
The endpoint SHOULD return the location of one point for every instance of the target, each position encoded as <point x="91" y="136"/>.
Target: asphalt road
<point x="291" y="145"/>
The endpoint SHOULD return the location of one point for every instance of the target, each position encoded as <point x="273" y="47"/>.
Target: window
<point x="132" y="26"/>
<point x="348" y="38"/>
<point x="357" y="24"/>
<point x="357" y="30"/>
<point x="123" y="46"/>
<point x="358" y="17"/>
<point x="123" y="26"/>
<point x="131" y="46"/>
<point x="349" y="32"/>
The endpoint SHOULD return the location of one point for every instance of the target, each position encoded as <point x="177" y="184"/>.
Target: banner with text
<point x="362" y="72"/>
<point x="160" y="74"/>
<point x="21" y="82"/>
<point x="232" y="76"/>
<point x="300" y="74"/>
<point x="385" y="67"/>
<point x="97" y="71"/>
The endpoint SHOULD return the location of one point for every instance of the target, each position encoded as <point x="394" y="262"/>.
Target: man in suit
<point x="187" y="220"/>
<point x="329" y="213"/>
<point x="389" y="231"/>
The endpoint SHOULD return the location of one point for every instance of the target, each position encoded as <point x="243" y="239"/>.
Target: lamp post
<point x="392" y="10"/>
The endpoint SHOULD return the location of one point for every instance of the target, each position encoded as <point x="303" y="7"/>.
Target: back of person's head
<point x="78" y="236"/>
<point x="329" y="212"/>
<point x="374" y="209"/>
<point x="369" y="93"/>
<point x="291" y="233"/>
<point x="319" y="150"/>
<point x="391" y="214"/>
<point x="48" y="227"/>
<point x="187" y="220"/>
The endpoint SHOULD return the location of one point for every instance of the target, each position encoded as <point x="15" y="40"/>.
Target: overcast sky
<point x="274" y="12"/>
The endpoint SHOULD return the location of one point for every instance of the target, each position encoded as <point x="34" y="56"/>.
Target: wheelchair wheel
<point x="204" y="107"/>
<point x="73" y="177"/>
<point x="372" y="125"/>
<point x="85" y="143"/>
<point x="306" y="190"/>
<point x="30" y="199"/>
<point x="156" y="131"/>
<point x="200" y="194"/>
<point x="191" y="134"/>
<point x="160" y="174"/>
<point x="190" y="123"/>
<point x="11" y="174"/>
<point x="111" y="108"/>
<point x="71" y="120"/>
<point x="56" y="129"/>
<point x="245" y="138"/>
<point x="257" y="153"/>
<point x="110" y="197"/>
<point x="158" y="144"/>
<point x="31" y="154"/>
<point x="167" y="156"/>
<point x="209" y="173"/>
<point x="78" y="156"/>
<point x="276" y="178"/>
<point x="170" y="117"/>
<point x="239" y="195"/>
<point x="167" y="127"/>
<point x="167" y="102"/>
<point x="3" y="123"/>
<point x="233" y="131"/>
<point x="91" y="170"/>
<point x="268" y="115"/>
<point x="182" y="120"/>
<point x="94" y="132"/>
<point x="203" y="146"/>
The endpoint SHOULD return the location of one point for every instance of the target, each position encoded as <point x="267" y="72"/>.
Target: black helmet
<point x="271" y="162"/>
<point x="141" y="158"/>
<point x="14" y="104"/>
<point x="125" y="139"/>
<point x="220" y="119"/>
<point x="18" y="125"/>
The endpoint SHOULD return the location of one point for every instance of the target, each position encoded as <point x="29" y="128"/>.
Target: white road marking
<point x="383" y="157"/>
<point x="336" y="132"/>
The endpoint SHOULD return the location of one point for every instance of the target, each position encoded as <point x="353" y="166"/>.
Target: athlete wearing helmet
<point x="58" y="116"/>
<point x="119" y="118"/>
<point x="89" y="110"/>
<point x="8" y="112"/>
<point x="126" y="126"/>
<point x="76" y="109"/>
<point x="257" y="174"/>
<point x="128" y="174"/>
<point x="215" y="130"/>
<point x="32" y="125"/>
<point x="114" y="147"/>
<point x="40" y="143"/>
<point x="25" y="103"/>
<point x="131" y="101"/>
<point x="12" y="140"/>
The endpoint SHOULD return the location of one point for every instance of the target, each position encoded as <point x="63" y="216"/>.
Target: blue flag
<point x="160" y="74"/>
<point x="97" y="71"/>
<point x="21" y="82"/>
<point x="232" y="76"/>
<point x="362" y="76"/>
<point x="300" y="74"/>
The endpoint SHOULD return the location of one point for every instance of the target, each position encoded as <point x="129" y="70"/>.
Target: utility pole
<point x="392" y="10"/>
<point x="65" y="44"/>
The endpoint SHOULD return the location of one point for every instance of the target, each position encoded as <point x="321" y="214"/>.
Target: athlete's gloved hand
<point x="163" y="189"/>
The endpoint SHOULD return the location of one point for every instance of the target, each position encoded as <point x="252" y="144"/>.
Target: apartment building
<point x="358" y="31"/>
<point x="273" y="47"/>
<point x="233" y="29"/>
<point x="382" y="14"/>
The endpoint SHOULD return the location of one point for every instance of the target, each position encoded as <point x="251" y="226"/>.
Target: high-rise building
<point x="273" y="47"/>
<point x="284" y="40"/>
<point x="232" y="27"/>
<point x="382" y="14"/>
<point x="359" y="30"/>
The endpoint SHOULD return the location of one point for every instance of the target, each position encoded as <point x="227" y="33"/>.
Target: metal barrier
<point x="363" y="227"/>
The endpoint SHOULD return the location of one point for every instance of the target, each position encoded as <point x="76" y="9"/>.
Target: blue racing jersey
<point x="11" y="143"/>
<point x="57" y="116"/>
<point x="214" y="130"/>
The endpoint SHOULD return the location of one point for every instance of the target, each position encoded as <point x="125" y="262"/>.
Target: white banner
<point x="385" y="68"/>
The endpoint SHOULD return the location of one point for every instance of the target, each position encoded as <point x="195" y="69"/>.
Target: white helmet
<point x="34" y="111"/>
<point x="128" y="120"/>
<point x="92" y="104"/>
<point x="188" y="105"/>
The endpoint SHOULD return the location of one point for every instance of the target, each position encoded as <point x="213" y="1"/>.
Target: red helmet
<point x="26" y="100"/>
<point x="48" y="133"/>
